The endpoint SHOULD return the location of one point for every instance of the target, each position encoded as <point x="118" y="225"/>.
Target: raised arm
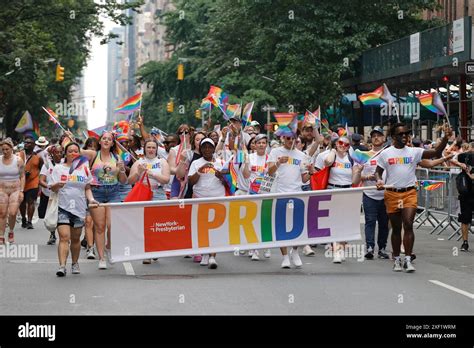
<point x="438" y="151"/>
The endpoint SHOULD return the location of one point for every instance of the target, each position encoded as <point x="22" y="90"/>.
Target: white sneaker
<point x="255" y="256"/>
<point x="212" y="263"/>
<point x="250" y="253"/>
<point x="337" y="257"/>
<point x="90" y="254"/>
<point x="102" y="264"/>
<point x="286" y="262"/>
<point x="408" y="267"/>
<point x="343" y="254"/>
<point x="267" y="253"/>
<point x="307" y="251"/>
<point x="75" y="268"/>
<point x="242" y="252"/>
<point x="295" y="257"/>
<point x="204" y="260"/>
<point x="397" y="265"/>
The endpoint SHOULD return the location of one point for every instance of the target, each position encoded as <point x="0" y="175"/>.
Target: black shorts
<point x="467" y="205"/>
<point x="31" y="195"/>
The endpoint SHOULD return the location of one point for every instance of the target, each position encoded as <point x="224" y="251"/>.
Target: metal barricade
<point x="440" y="206"/>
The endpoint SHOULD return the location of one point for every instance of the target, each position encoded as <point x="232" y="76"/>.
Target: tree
<point x="31" y="32"/>
<point x="288" y="53"/>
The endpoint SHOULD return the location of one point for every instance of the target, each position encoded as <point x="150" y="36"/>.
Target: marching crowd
<point x="193" y="164"/>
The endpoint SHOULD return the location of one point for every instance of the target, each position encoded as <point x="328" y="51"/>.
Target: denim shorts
<point x="106" y="193"/>
<point x="159" y="194"/>
<point x="66" y="218"/>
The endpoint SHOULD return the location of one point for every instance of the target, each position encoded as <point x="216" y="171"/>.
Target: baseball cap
<point x="154" y="130"/>
<point x="255" y="123"/>
<point x="260" y="137"/>
<point x="356" y="137"/>
<point x="235" y="118"/>
<point x="377" y="129"/>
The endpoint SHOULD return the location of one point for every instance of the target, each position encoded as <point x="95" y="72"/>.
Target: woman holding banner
<point x="340" y="176"/>
<point x="254" y="169"/>
<point x="207" y="180"/>
<point x="71" y="181"/>
<point x="107" y="171"/>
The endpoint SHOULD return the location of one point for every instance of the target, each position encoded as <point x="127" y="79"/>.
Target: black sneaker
<point x="52" y="239"/>
<point x="413" y="257"/>
<point x="23" y="223"/>
<point x="465" y="246"/>
<point x="61" y="271"/>
<point x="29" y="225"/>
<point x="369" y="255"/>
<point x="84" y="243"/>
<point x="383" y="255"/>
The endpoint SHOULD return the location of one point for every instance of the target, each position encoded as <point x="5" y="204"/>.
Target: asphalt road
<point x="442" y="285"/>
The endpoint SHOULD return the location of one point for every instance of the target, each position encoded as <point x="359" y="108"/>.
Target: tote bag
<point x="51" y="216"/>
<point x="319" y="180"/>
<point x="140" y="192"/>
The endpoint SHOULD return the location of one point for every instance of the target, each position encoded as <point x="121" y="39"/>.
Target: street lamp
<point x="268" y="109"/>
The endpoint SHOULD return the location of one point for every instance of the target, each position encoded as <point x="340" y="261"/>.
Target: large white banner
<point x="146" y="230"/>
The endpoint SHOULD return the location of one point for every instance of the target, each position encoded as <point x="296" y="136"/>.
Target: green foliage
<point x="32" y="31"/>
<point x="284" y="53"/>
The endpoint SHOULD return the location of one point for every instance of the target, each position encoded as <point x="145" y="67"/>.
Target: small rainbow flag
<point x="239" y="157"/>
<point x="122" y="154"/>
<point x="205" y="104"/>
<point x="313" y="117"/>
<point x="92" y="134"/>
<point x="433" y="102"/>
<point x="287" y="124"/>
<point x="231" y="178"/>
<point x="77" y="163"/>
<point x="325" y="123"/>
<point x="53" y="118"/>
<point x="232" y="110"/>
<point x="255" y="185"/>
<point x="361" y="157"/>
<point x="130" y="105"/>
<point x="372" y="98"/>
<point x="247" y="113"/>
<point x="430" y="185"/>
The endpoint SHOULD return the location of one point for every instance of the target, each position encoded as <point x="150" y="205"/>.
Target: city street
<point x="442" y="285"/>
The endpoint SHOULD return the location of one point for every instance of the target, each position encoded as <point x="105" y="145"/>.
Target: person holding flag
<point x="107" y="171"/>
<point x="254" y="169"/>
<point x="71" y="180"/>
<point x="373" y="200"/>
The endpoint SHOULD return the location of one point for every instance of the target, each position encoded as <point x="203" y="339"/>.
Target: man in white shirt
<point x="400" y="161"/>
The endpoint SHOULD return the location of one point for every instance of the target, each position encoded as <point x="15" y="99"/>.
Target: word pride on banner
<point x="144" y="230"/>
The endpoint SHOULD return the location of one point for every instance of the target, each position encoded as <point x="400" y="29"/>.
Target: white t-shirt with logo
<point x="288" y="175"/>
<point x="258" y="168"/>
<point x="47" y="170"/>
<point x="72" y="197"/>
<point x="208" y="184"/>
<point x="154" y="166"/>
<point x="400" y="165"/>
<point x="369" y="169"/>
<point x="341" y="171"/>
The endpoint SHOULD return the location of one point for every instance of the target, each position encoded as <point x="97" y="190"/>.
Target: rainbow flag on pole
<point x="247" y="113"/>
<point x="377" y="97"/>
<point x="25" y="123"/>
<point x="231" y="177"/>
<point x="287" y="124"/>
<point x="432" y="102"/>
<point x="130" y="105"/>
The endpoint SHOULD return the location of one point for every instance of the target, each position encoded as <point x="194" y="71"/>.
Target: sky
<point x="95" y="81"/>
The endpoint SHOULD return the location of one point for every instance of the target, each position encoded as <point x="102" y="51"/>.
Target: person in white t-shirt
<point x="340" y="176"/>
<point x="400" y="161"/>
<point x="73" y="188"/>
<point x="54" y="157"/>
<point x="373" y="201"/>
<point x="254" y="170"/>
<point x="208" y="181"/>
<point x="292" y="169"/>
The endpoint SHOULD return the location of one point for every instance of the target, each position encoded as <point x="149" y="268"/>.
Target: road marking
<point x="452" y="288"/>
<point x="47" y="261"/>
<point x="128" y="268"/>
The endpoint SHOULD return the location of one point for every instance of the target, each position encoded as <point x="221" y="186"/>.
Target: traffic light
<point x="93" y="103"/>
<point x="198" y="114"/>
<point x="170" y="106"/>
<point x="180" y="72"/>
<point x="59" y="73"/>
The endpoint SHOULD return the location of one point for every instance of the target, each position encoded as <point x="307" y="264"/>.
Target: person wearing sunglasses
<point x="400" y="162"/>
<point x="292" y="169"/>
<point x="340" y="177"/>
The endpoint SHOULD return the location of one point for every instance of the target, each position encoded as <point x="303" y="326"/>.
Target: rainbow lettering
<point x="341" y="165"/>
<point x="400" y="160"/>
